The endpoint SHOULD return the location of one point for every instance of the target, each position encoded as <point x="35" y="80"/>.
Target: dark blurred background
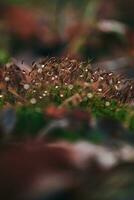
<point x="101" y="31"/>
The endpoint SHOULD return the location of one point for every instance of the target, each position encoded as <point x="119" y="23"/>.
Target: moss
<point x="131" y="123"/>
<point x="29" y="121"/>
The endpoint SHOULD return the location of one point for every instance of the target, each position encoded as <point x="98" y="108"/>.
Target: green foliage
<point x="1" y="103"/>
<point x="121" y="114"/>
<point x="4" y="57"/>
<point x="131" y="123"/>
<point x="29" y="121"/>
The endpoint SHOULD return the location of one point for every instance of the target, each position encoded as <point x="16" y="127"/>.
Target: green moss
<point x="131" y="123"/>
<point x="29" y="121"/>
<point x="1" y="103"/>
<point x="4" y="57"/>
